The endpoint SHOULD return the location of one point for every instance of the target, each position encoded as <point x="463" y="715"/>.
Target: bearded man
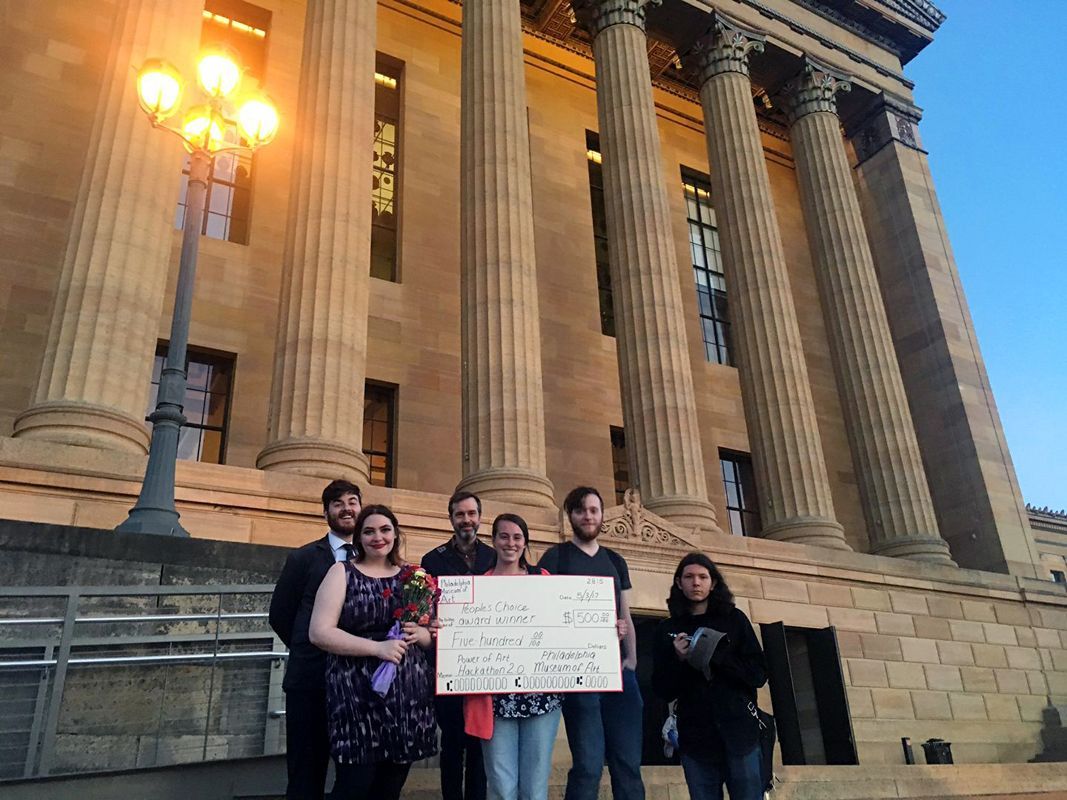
<point x="308" y="745"/>
<point x="462" y="769"/>
<point x="601" y="726"/>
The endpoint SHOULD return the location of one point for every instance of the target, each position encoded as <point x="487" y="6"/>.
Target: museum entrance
<point x="812" y="716"/>
<point x="655" y="707"/>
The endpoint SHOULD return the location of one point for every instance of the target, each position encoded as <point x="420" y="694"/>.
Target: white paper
<point x="527" y="633"/>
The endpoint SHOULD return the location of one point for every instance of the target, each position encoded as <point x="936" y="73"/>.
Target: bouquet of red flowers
<point x="418" y="593"/>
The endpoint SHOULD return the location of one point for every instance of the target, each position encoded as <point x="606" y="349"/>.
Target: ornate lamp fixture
<point x="228" y="121"/>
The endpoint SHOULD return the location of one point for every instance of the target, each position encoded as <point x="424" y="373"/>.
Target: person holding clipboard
<point x="601" y="726"/>
<point x="518" y="730"/>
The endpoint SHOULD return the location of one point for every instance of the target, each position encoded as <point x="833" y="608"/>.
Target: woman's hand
<point x="622" y="627"/>
<point x="681" y="646"/>
<point x="417" y="634"/>
<point x="392" y="650"/>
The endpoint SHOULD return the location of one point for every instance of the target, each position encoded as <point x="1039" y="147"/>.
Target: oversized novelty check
<point x="552" y="633"/>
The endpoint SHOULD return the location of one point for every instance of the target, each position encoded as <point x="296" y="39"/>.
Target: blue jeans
<point x="605" y="727"/>
<point x="518" y="759"/>
<point x="740" y="773"/>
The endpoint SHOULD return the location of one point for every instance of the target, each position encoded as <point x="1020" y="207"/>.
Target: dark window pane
<point x="215" y="413"/>
<point x="379" y="434"/>
<point x="600" y="234"/>
<point x="707" y="267"/>
<point x="620" y="463"/>
<point x="742" y="505"/>
<point x="206" y="404"/>
<point x="197" y="375"/>
<point x="383" y="253"/>
<point x="385" y="160"/>
<point x="195" y="405"/>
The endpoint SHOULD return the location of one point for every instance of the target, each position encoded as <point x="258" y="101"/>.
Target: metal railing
<point x="97" y="678"/>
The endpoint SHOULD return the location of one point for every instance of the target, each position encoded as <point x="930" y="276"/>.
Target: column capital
<point x="812" y="89"/>
<point x="596" y="15"/>
<point x="724" y="47"/>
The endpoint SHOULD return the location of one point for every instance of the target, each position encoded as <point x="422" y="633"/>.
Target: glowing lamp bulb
<point x="257" y="120"/>
<point x="159" y="89"/>
<point x="218" y="73"/>
<point x="202" y="129"/>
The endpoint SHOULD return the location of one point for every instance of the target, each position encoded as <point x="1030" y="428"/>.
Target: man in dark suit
<point x="308" y="744"/>
<point x="463" y="554"/>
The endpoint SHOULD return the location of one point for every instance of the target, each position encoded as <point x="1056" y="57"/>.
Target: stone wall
<point x="976" y="658"/>
<point x="118" y="716"/>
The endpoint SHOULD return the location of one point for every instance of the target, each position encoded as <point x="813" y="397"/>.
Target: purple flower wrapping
<point x="386" y="672"/>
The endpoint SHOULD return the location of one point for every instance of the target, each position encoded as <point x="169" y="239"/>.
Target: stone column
<point x="503" y="407"/>
<point x="979" y="506"/>
<point x="659" y="404"/>
<point x="791" y="479"/>
<point x="93" y="386"/>
<point x="316" y="419"/>
<point x="896" y="498"/>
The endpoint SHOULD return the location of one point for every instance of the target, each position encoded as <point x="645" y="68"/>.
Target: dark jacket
<point x="290" y="614"/>
<point x="446" y="560"/>
<point x="712" y="715"/>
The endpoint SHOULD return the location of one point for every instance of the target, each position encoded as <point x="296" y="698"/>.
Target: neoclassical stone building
<point x="690" y="247"/>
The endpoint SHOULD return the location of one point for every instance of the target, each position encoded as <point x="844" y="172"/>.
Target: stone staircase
<point x="919" y="782"/>
<point x="264" y="779"/>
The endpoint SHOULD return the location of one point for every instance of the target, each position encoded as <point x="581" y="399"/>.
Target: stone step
<point x="918" y="782"/>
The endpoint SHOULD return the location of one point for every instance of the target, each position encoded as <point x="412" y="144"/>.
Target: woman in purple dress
<point x="374" y="739"/>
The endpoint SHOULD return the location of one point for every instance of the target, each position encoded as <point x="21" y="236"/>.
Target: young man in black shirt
<point x="463" y="554"/>
<point x="601" y="726"/>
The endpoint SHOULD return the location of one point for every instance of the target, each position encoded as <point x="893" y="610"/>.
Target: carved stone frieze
<point x="596" y="15"/>
<point x="813" y="89"/>
<point x="724" y="48"/>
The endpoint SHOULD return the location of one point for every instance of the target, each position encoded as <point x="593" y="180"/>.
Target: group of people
<point x="336" y="601"/>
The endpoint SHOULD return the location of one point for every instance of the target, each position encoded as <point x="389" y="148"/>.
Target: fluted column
<point x="503" y="407"/>
<point x="896" y="498"/>
<point x="791" y="479"/>
<point x="93" y="386"/>
<point x="316" y="419"/>
<point x="659" y="404"/>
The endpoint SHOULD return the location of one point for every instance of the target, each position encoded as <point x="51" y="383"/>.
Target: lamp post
<point x="203" y="131"/>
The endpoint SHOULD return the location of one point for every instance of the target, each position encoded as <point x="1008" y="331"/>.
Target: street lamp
<point x="203" y="131"/>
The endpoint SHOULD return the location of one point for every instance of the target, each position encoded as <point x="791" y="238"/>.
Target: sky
<point x="992" y="88"/>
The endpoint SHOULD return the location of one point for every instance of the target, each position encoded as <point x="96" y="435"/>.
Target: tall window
<point x="707" y="267"/>
<point x="379" y="432"/>
<point x="620" y="464"/>
<point x="244" y="28"/>
<point x="207" y="403"/>
<point x="600" y="233"/>
<point x="386" y="156"/>
<point x="742" y="505"/>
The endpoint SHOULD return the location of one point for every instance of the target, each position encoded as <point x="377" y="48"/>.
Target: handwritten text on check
<point x="553" y="633"/>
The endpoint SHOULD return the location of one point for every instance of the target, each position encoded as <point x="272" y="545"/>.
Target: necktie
<point x="350" y="552"/>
